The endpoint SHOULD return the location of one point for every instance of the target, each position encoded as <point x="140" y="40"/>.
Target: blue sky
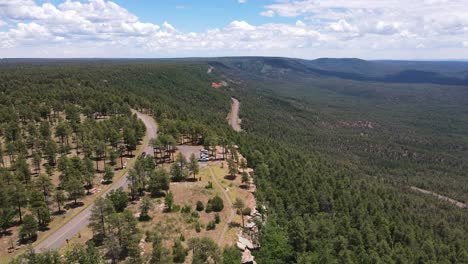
<point x="369" y="29"/>
<point x="196" y="15"/>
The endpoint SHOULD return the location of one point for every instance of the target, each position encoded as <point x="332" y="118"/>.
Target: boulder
<point x="241" y="246"/>
<point x="247" y="257"/>
<point x="246" y="242"/>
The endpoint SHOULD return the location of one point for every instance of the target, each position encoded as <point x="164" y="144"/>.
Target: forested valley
<point x="333" y="159"/>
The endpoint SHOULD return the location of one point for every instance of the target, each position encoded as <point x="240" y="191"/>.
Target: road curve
<point x="233" y="118"/>
<point x="232" y="213"/>
<point x="67" y="231"/>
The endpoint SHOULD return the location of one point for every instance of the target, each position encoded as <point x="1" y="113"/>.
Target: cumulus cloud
<point x="339" y="28"/>
<point x="390" y="24"/>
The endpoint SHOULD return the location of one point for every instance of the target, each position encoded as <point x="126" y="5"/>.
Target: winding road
<point x="79" y="221"/>
<point x="233" y="118"/>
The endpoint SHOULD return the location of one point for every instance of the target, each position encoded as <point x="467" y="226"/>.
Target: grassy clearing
<point x="176" y="224"/>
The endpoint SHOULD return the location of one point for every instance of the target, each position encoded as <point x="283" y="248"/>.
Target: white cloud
<point x="268" y="13"/>
<point x="241" y="25"/>
<point x="242" y="1"/>
<point x="341" y="28"/>
<point x="2" y="23"/>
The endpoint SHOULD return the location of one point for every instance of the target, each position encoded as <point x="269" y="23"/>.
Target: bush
<point x="217" y="219"/>
<point x="246" y="211"/>
<point x="200" y="206"/>
<point x="175" y="208"/>
<point x="209" y="185"/>
<point x="211" y="226"/>
<point x="179" y="252"/>
<point x="198" y="227"/>
<point x="195" y="214"/>
<point x="186" y="209"/>
<point x="215" y="204"/>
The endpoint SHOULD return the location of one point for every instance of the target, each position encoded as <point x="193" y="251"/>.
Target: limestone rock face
<point x="247" y="257"/>
<point x="247" y="243"/>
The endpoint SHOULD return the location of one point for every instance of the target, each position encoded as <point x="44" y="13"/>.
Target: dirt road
<point x="441" y="197"/>
<point x="67" y="231"/>
<point x="233" y="117"/>
<point x="232" y="212"/>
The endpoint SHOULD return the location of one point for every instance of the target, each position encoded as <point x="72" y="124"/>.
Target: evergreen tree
<point x="119" y="199"/>
<point x="29" y="228"/>
<point x="193" y="165"/>
<point x="179" y="252"/>
<point x="145" y="207"/>
<point x="108" y="173"/>
<point x="100" y="214"/>
<point x="75" y="189"/>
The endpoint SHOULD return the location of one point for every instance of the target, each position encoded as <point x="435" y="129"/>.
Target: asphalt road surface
<point x="67" y="231"/>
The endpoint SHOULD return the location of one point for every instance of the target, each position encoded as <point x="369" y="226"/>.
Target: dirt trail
<point x="232" y="212"/>
<point x="441" y="197"/>
<point x="233" y="116"/>
<point x="80" y="220"/>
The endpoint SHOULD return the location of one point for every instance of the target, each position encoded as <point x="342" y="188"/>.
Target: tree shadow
<point x="6" y="233"/>
<point x="24" y="241"/>
<point x="43" y="228"/>
<point x="230" y="177"/>
<point x="73" y="205"/>
<point x="61" y="212"/>
<point x="234" y="225"/>
<point x="191" y="179"/>
<point x="244" y="186"/>
<point x="106" y="182"/>
<point x="158" y="195"/>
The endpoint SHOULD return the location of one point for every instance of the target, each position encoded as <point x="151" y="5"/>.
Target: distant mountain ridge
<point x="389" y="71"/>
<point x="444" y="72"/>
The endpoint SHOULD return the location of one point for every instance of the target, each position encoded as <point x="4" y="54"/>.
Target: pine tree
<point x="193" y="165"/>
<point x="29" y="228"/>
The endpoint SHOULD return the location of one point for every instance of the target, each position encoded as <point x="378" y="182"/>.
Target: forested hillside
<point x="333" y="159"/>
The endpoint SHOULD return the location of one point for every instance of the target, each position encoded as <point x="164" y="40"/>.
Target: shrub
<point x="217" y="219"/>
<point x="186" y="209"/>
<point x="195" y="214"/>
<point x="200" y="206"/>
<point x="215" y="204"/>
<point x="246" y="211"/>
<point x="211" y="226"/>
<point x="198" y="227"/>
<point x="209" y="185"/>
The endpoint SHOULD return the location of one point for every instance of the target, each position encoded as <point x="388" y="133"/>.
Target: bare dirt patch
<point x="233" y="117"/>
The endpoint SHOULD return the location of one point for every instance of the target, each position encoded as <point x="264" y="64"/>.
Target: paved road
<point x="67" y="231"/>
<point x="234" y="118"/>
<point x="232" y="213"/>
